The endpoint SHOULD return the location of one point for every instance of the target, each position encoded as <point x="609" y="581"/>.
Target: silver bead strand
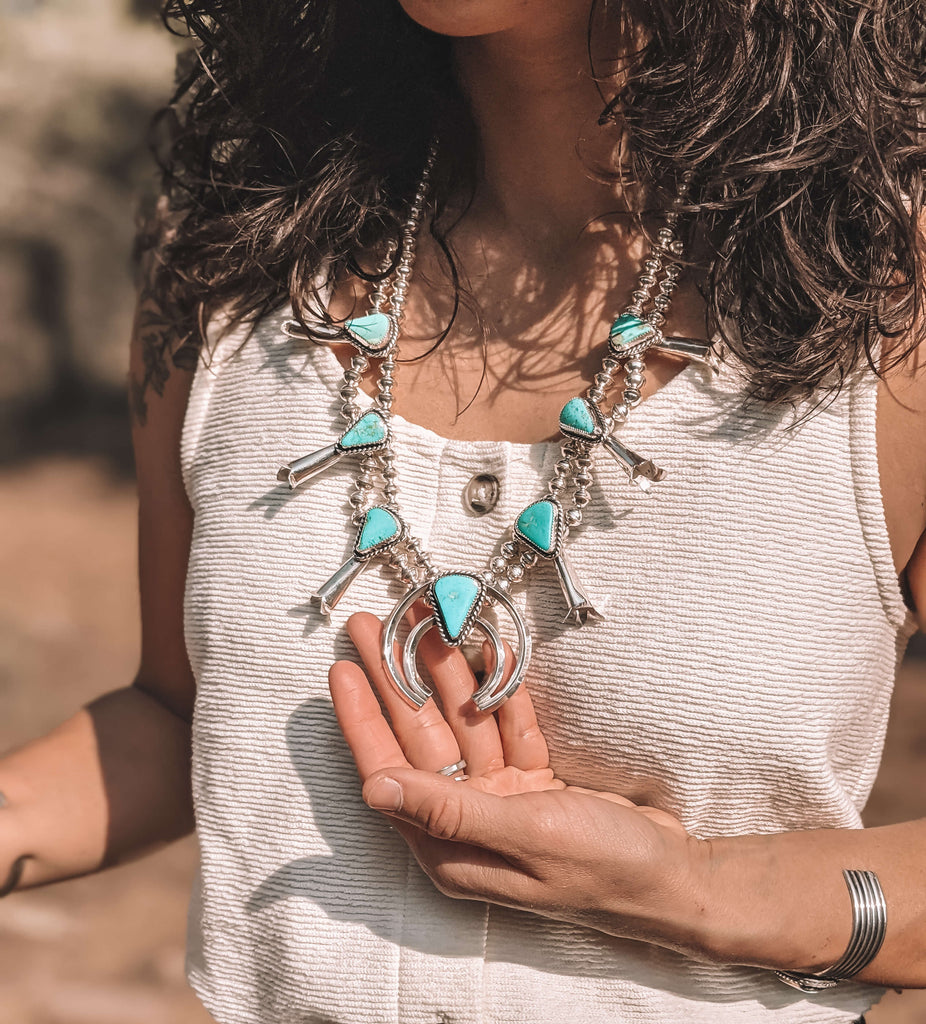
<point x="381" y="294"/>
<point x="603" y="379"/>
<point x="350" y="387"/>
<point x="395" y="291"/>
<point x="634" y="379"/>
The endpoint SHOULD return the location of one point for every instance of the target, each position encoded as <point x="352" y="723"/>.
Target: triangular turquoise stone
<point x="373" y="329"/>
<point x="537" y="524"/>
<point x="379" y="527"/>
<point x="455" y="596"/>
<point x="628" y="329"/>
<point x="576" y="415"/>
<point x="369" y="429"/>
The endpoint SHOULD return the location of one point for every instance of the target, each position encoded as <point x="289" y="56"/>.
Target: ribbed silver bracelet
<point x="869" y="924"/>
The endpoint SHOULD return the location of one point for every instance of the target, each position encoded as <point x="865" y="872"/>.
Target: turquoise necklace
<point x="458" y="597"/>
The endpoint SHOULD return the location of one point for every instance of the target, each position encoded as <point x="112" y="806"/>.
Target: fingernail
<point x="384" y="795"/>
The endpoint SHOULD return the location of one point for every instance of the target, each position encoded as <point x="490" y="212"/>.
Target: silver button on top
<point x="481" y="494"/>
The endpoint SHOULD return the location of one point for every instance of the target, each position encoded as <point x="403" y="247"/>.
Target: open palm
<point x="512" y="832"/>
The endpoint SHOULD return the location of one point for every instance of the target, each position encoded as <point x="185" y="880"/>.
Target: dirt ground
<point x="109" y="949"/>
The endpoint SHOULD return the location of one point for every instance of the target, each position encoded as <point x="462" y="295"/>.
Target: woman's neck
<point x="535" y="105"/>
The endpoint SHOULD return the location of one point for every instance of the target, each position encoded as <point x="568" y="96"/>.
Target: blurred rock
<point x="78" y="85"/>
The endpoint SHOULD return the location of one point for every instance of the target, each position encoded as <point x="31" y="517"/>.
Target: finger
<point x="367" y="732"/>
<point x="476" y="731"/>
<point x="457" y="813"/>
<point x="425" y="737"/>
<point x="522" y="740"/>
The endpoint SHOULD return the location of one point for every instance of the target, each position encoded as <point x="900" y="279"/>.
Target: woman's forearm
<point x="108" y="784"/>
<point x="780" y="901"/>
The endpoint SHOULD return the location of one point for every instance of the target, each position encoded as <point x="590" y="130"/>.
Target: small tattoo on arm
<point x="158" y="337"/>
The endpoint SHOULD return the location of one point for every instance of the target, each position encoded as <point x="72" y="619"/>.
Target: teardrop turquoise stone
<point x="369" y="429"/>
<point x="537" y="523"/>
<point x="379" y="526"/>
<point x="373" y="329"/>
<point x="455" y="596"/>
<point x="627" y="330"/>
<point x="577" y="415"/>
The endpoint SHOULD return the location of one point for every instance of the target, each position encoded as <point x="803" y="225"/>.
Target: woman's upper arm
<point x="902" y="462"/>
<point x="159" y="390"/>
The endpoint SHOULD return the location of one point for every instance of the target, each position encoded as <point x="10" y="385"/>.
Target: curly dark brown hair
<point x="299" y="130"/>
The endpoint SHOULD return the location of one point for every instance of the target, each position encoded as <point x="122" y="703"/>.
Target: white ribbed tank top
<point x="741" y="680"/>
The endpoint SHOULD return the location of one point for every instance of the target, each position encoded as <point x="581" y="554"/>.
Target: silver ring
<point x="452" y="769"/>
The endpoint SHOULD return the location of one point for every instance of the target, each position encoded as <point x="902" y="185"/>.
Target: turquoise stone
<point x="373" y="330"/>
<point x="379" y="527"/>
<point x="455" y="596"/>
<point x="370" y="429"/>
<point x="537" y="524"/>
<point x="577" y="416"/>
<point x="627" y="330"/>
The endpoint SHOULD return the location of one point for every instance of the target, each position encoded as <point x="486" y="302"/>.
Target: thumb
<point x="447" y="810"/>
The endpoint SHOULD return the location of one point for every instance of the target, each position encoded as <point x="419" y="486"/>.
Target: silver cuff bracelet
<point x="869" y="923"/>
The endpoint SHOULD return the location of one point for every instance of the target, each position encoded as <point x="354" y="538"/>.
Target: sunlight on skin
<point x="506" y="753"/>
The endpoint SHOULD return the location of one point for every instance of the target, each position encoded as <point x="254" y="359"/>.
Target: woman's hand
<point x="513" y="833"/>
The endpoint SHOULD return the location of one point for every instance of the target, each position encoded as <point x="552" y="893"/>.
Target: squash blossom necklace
<point x="457" y="597"/>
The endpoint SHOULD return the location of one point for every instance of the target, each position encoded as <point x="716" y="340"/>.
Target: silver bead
<point x="581" y="497"/>
<point x="498" y="564"/>
<point x="503" y="585"/>
<point x="515" y="573"/>
<point x="564" y="466"/>
<point x="632" y="397"/>
<point x="633" y="380"/>
<point x="620" y="411"/>
<point x="528" y="559"/>
<point x="573" y="517"/>
<point x="656" y="318"/>
<point x="510" y="549"/>
<point x="635" y="365"/>
<point x="488" y="576"/>
<point x="583" y="479"/>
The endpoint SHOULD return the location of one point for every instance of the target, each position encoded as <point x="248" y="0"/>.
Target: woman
<point x="662" y="817"/>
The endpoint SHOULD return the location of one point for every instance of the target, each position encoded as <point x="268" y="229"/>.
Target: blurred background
<point x="78" y="84"/>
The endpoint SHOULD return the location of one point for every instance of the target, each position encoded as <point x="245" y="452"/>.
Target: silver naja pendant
<point x="457" y="599"/>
